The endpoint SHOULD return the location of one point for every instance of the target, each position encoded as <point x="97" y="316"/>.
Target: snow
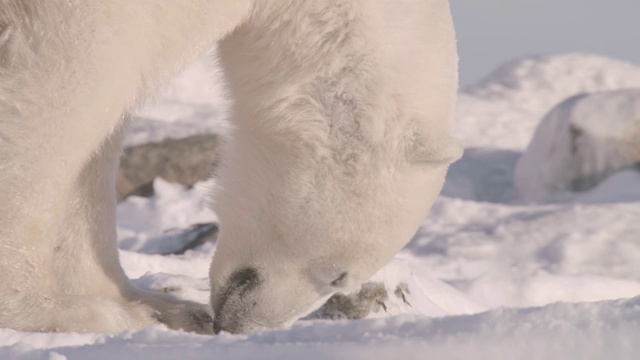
<point x="561" y="331"/>
<point x="489" y="277"/>
<point x="172" y="208"/>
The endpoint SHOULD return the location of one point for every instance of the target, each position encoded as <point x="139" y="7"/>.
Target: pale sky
<point x="491" y="32"/>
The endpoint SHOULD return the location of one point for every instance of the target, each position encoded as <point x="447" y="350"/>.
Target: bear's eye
<point x="341" y="281"/>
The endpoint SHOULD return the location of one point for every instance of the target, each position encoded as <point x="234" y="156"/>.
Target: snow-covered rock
<point x="581" y="142"/>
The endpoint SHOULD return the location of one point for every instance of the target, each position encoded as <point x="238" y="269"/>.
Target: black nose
<point x="231" y="325"/>
<point x="233" y="304"/>
<point x="216" y="327"/>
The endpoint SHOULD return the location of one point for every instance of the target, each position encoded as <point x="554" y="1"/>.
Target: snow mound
<point x="581" y="142"/>
<point x="516" y="96"/>
<point x="507" y="255"/>
<point x="607" y="330"/>
<point x="559" y="76"/>
<point x="412" y="290"/>
<point x="620" y="187"/>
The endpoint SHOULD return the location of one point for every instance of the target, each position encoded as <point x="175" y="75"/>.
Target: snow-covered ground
<point x="489" y="277"/>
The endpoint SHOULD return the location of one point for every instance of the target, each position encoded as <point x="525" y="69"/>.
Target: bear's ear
<point x="441" y="150"/>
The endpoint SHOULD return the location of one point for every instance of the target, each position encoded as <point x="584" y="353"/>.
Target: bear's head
<point x="297" y="229"/>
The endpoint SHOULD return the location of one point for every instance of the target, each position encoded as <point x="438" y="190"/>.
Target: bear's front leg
<point x="69" y="70"/>
<point x="85" y="261"/>
<point x="70" y="279"/>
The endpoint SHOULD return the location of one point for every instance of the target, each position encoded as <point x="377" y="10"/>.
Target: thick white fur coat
<point x="341" y="110"/>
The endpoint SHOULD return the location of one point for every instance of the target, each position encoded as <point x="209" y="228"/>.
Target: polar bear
<point x="342" y="112"/>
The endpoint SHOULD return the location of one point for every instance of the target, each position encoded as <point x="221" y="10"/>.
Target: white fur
<point x="342" y="112"/>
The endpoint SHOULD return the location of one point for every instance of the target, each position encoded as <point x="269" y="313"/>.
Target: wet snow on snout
<point x="486" y="276"/>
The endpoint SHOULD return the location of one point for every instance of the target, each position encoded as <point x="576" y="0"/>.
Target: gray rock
<point x="184" y="161"/>
<point x="193" y="237"/>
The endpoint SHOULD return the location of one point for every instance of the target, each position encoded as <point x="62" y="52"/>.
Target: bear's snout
<point x="233" y="304"/>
